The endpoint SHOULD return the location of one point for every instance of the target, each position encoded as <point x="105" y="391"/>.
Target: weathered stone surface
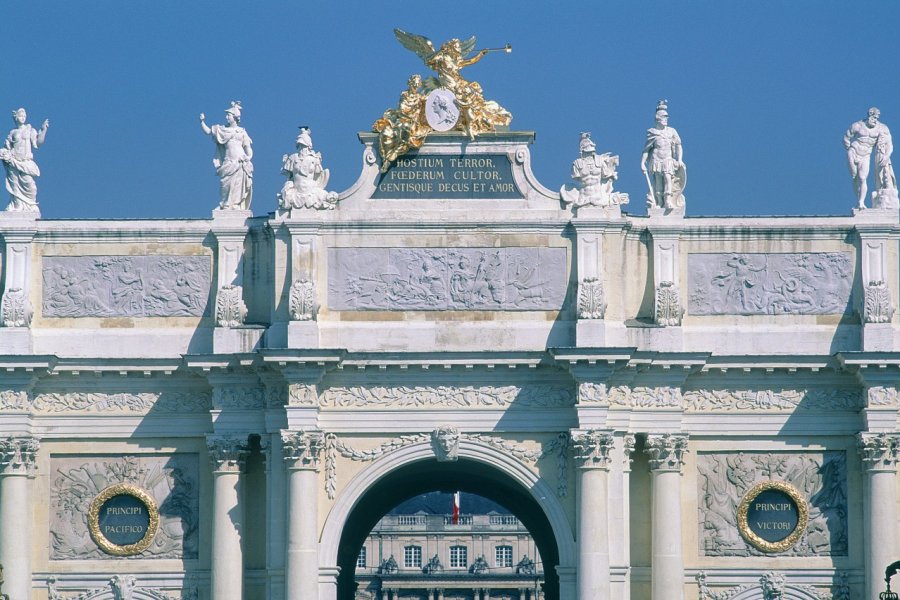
<point x="770" y="284"/>
<point x="125" y="286"/>
<point x="446" y="278"/>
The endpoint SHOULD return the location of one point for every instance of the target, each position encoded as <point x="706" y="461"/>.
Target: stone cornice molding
<point x="302" y="450"/>
<point x="879" y="451"/>
<point x="228" y="454"/>
<point x="18" y="455"/>
<point x="666" y="451"/>
<point x="592" y="449"/>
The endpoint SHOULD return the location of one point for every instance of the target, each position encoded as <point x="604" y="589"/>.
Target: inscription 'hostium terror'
<point x="487" y="176"/>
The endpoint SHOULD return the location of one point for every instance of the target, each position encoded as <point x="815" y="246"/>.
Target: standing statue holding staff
<point x="859" y="141"/>
<point x="662" y="163"/>
<point x="233" y="159"/>
<point x="17" y="155"/>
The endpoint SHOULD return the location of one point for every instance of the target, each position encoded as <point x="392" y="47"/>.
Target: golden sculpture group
<point x="405" y="127"/>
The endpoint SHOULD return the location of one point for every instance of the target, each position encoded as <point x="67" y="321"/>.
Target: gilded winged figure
<point x="405" y="127"/>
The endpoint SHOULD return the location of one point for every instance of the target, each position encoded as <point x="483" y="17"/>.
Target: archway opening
<point x="430" y="475"/>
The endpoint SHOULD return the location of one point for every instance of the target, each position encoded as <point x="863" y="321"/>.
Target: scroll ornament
<point x="668" y="305"/>
<point x="877" y="307"/>
<point x="230" y="308"/>
<point x="15" y="309"/>
<point x="302" y="300"/>
<point x="591" y="299"/>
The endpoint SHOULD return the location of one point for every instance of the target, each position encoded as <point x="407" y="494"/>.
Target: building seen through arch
<point x="424" y="546"/>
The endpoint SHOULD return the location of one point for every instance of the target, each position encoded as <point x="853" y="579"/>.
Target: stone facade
<point x="619" y="380"/>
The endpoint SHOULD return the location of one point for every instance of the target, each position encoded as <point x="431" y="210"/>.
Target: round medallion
<point x="441" y="110"/>
<point x="772" y="516"/>
<point x="123" y="520"/>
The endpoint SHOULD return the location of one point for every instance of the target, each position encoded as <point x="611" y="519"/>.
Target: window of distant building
<point x="412" y="557"/>
<point x="459" y="557"/>
<point x="361" y="559"/>
<point x="503" y="556"/>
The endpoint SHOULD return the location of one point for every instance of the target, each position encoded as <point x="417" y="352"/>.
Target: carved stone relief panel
<point x="124" y="402"/>
<point x="770" y="284"/>
<point x="769" y="400"/>
<point x="171" y="480"/>
<point x="125" y="286"/>
<point x="724" y="478"/>
<point x="371" y="396"/>
<point x="511" y="278"/>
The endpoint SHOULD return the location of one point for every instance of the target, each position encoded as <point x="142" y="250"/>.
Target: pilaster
<point x="593" y="295"/>
<point x="17" y="231"/>
<point x="665" y="233"/>
<point x="878" y="267"/>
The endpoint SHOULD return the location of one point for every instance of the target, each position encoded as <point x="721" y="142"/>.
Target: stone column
<point x="879" y="456"/>
<point x="302" y="450"/>
<point x="227" y="560"/>
<point x="667" y="562"/>
<point x="592" y="454"/>
<point x="17" y="463"/>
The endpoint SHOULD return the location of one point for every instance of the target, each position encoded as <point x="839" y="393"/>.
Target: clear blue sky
<point x="761" y="92"/>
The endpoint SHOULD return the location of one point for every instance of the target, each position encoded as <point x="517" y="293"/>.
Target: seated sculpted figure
<point x="17" y="156"/>
<point x="404" y="127"/>
<point x="595" y="175"/>
<point x="306" y="179"/>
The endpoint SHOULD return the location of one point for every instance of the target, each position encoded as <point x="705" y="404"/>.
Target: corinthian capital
<point x="879" y="451"/>
<point x="667" y="451"/>
<point x="302" y="449"/>
<point x="227" y="453"/>
<point x="17" y="455"/>
<point x="592" y="448"/>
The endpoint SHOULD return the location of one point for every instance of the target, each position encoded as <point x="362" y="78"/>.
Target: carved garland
<point x="772" y="585"/>
<point x="335" y="447"/>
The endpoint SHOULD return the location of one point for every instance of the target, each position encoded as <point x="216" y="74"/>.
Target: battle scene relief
<point x="511" y="278"/>
<point x="724" y="479"/>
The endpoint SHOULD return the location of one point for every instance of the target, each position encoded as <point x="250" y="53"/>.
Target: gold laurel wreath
<point x="793" y="537"/>
<point x="121" y="489"/>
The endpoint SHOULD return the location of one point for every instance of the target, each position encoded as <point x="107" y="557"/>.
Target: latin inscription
<point x="124" y="520"/>
<point x="772" y="515"/>
<point x="487" y="176"/>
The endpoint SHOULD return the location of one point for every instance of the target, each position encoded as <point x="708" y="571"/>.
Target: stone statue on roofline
<point x="860" y="140"/>
<point x="17" y="156"/>
<point x="594" y="175"/>
<point x="306" y="178"/>
<point x="234" y="153"/>
<point x="663" y="165"/>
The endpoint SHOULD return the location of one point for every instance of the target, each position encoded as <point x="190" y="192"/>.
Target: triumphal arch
<point x="675" y="406"/>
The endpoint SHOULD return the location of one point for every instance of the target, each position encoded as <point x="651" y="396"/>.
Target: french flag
<point x="456" y="508"/>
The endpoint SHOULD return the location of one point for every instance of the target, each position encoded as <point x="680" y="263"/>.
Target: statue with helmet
<point x="594" y="175"/>
<point x="233" y="164"/>
<point x="306" y="178"/>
